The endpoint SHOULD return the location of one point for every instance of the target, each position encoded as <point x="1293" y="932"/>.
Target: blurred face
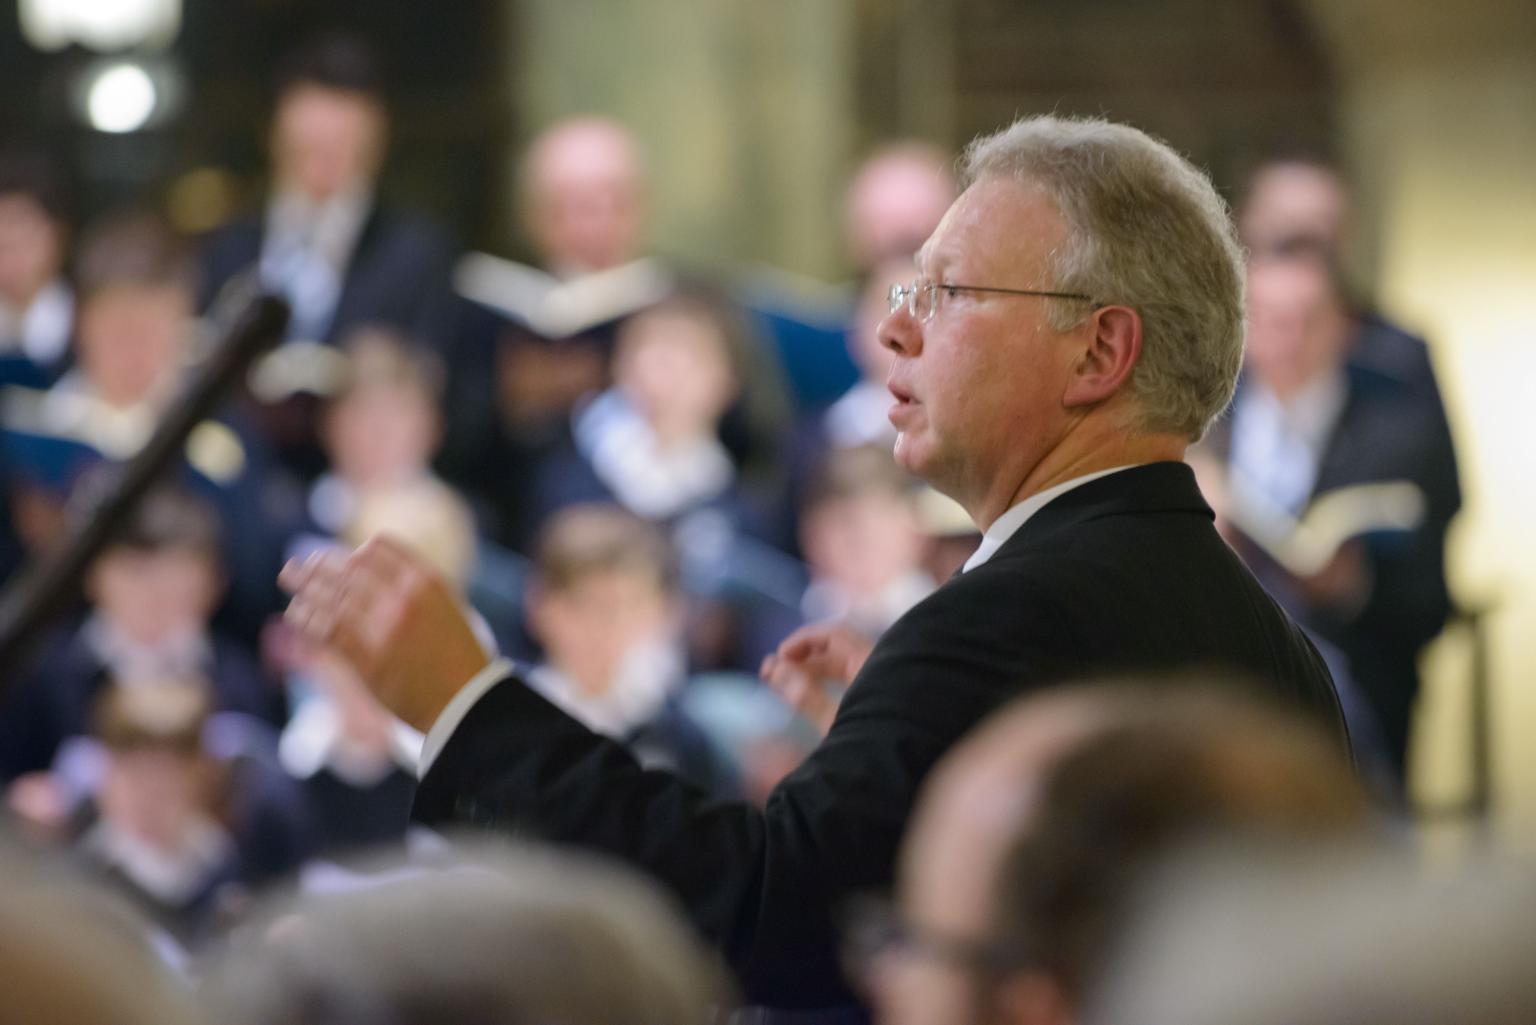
<point x="1297" y="330"/>
<point x="865" y="542"/>
<point x="380" y="436"/>
<point x="586" y="202"/>
<point x="588" y="628"/>
<point x="31" y="248"/>
<point x="675" y="370"/>
<point x="154" y="596"/>
<point x="132" y="339"/>
<point x="153" y="794"/>
<point x="979" y="389"/>
<point x="893" y="205"/>
<point x="967" y="819"/>
<point x="326" y="141"/>
<point x="1295" y="199"/>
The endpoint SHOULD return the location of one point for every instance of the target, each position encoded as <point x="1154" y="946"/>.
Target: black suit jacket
<point x="398" y="274"/>
<point x="1124" y="572"/>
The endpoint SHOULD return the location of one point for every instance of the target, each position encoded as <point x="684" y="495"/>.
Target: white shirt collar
<point x="1008" y="524"/>
<point x="329" y="229"/>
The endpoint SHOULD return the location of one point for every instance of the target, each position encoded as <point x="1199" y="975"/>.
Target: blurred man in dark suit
<point x="1311" y="419"/>
<point x="1075" y="322"/>
<point x="1304" y="196"/>
<point x="326" y="241"/>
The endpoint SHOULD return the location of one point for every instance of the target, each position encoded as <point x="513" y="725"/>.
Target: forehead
<point x="307" y="103"/>
<point x="998" y="225"/>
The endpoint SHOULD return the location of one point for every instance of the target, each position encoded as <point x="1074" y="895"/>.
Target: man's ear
<point x="1113" y="348"/>
<point x="1031" y="998"/>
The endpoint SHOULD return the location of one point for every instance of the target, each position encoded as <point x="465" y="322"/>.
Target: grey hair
<point x="498" y="936"/>
<point x="1145" y="229"/>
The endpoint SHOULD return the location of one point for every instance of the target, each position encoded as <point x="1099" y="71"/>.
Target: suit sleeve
<point x="764" y="885"/>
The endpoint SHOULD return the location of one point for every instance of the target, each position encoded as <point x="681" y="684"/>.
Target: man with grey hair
<point x="1075" y="323"/>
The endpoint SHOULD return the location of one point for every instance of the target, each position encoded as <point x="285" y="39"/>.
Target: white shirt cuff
<point x="450" y="717"/>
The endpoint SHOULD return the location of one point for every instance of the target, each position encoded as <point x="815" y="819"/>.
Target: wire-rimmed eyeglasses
<point x="921" y="298"/>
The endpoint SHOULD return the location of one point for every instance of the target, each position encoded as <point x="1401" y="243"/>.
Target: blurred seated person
<point x="1307" y="426"/>
<point x="864" y="553"/>
<point x="150" y="597"/>
<point x="1021" y="867"/>
<point x="326" y="241"/>
<point x="533" y="339"/>
<point x="37" y="305"/>
<point x="860" y="535"/>
<point x="157" y="833"/>
<point x="501" y="937"/>
<point x="1305" y="196"/>
<point x="894" y="201"/>
<point x="354" y="761"/>
<point x="604" y="606"/>
<point x="136" y="338"/>
<point x="585" y="208"/>
<point x="651" y="442"/>
<point x="536" y="340"/>
<point x="379" y="430"/>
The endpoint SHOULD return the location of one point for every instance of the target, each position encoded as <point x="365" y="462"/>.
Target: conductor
<point x="1074" y="323"/>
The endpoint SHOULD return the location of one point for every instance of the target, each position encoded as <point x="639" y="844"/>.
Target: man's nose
<point x="901" y="333"/>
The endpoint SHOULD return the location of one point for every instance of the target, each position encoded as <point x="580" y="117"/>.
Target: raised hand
<point x="813" y="666"/>
<point x="393" y="618"/>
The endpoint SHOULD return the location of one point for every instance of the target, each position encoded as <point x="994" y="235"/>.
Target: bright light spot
<point x="121" y="99"/>
<point x="100" y="25"/>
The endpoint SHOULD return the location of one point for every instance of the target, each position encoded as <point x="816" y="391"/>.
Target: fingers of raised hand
<point x="804" y="642"/>
<point x="315" y="584"/>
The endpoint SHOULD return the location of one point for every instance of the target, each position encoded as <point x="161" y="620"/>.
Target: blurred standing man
<point x="326" y="241"/>
<point x="1305" y="197"/>
<point x="1076" y="322"/>
<point x="1310" y="420"/>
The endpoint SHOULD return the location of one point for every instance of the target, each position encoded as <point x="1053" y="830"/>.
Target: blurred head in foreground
<point x="72" y="956"/>
<point x="518" y="937"/>
<point x="1364" y="941"/>
<point x="1019" y="867"/>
